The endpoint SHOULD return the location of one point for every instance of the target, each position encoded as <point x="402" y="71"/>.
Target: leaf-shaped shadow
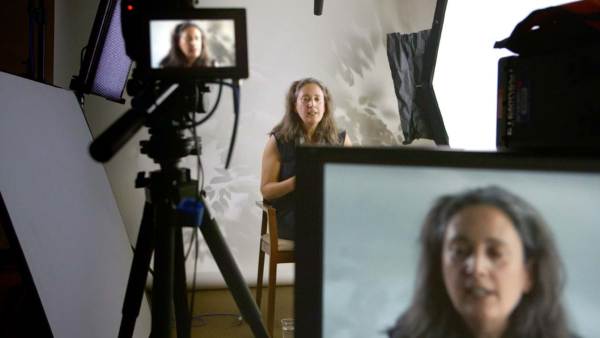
<point x="365" y="117"/>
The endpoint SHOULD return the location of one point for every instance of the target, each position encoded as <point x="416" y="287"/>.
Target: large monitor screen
<point x="361" y="212"/>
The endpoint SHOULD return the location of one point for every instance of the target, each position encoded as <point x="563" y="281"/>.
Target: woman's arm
<point x="271" y="164"/>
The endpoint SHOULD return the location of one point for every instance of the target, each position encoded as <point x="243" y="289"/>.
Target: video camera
<point x="166" y="77"/>
<point x="162" y="37"/>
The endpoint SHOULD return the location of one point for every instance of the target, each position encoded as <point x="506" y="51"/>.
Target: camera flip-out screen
<point x="200" y="44"/>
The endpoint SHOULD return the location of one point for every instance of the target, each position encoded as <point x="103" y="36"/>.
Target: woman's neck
<point x="489" y="330"/>
<point x="487" y="335"/>
<point x="309" y="134"/>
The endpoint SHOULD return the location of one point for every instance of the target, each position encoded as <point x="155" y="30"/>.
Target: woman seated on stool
<point x="308" y="119"/>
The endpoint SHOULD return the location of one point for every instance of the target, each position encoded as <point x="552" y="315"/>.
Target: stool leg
<point x="271" y="302"/>
<point x="259" y="281"/>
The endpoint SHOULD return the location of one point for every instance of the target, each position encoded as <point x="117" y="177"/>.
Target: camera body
<point x="154" y="34"/>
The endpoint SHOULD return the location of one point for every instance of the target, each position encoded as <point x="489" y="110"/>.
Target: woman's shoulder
<point x="277" y="137"/>
<point x="282" y="139"/>
<point x="285" y="148"/>
<point x="342" y="136"/>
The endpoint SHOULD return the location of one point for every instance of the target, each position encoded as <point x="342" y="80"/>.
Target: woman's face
<point x="190" y="43"/>
<point x="484" y="267"/>
<point x="310" y="105"/>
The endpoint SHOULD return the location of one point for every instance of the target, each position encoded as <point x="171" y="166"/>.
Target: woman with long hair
<point x="188" y="47"/>
<point x="308" y="119"/>
<point x="488" y="268"/>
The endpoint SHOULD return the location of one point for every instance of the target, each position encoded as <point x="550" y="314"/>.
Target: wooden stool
<point x="279" y="251"/>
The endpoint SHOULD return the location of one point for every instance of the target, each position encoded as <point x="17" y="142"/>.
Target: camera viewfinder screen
<point x="205" y="43"/>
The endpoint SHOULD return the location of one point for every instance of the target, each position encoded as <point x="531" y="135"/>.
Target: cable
<point x="236" y="108"/>
<point x="199" y="169"/>
<point x="236" y="112"/>
<point x="197" y="192"/>
<point x="213" y="109"/>
<point x="198" y="147"/>
<point x="81" y="54"/>
<point x="199" y="189"/>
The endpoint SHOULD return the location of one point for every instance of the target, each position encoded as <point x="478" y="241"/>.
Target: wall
<point x="345" y="47"/>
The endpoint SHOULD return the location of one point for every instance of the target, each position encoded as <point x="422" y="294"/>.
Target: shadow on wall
<point x="221" y="46"/>
<point x="364" y="74"/>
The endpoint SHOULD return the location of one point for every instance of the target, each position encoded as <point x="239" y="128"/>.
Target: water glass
<point x="287" y="327"/>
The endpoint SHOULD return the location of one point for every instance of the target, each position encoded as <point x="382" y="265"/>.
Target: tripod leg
<point x="164" y="268"/>
<point x="232" y="275"/>
<point x="139" y="272"/>
<point x="182" y="314"/>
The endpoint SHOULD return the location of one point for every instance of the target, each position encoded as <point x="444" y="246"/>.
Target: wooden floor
<point x="217" y="316"/>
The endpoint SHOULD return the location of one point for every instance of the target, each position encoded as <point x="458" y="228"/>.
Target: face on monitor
<point x="484" y="243"/>
<point x="192" y="43"/>
<point x="200" y="44"/>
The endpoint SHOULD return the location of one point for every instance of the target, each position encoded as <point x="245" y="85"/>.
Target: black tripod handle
<point x="114" y="137"/>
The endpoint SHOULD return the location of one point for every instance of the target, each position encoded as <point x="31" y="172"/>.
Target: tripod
<point x="161" y="227"/>
<point x="169" y="270"/>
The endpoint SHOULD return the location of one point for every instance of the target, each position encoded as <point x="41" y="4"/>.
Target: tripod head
<point x="166" y="109"/>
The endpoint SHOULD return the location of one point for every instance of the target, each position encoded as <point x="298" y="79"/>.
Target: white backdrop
<point x="345" y="47"/>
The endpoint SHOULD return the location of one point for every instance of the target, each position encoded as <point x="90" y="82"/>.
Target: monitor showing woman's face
<point x="483" y="266"/>
<point x="377" y="279"/>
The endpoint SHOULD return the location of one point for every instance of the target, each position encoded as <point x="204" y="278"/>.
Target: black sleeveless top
<point x="285" y="205"/>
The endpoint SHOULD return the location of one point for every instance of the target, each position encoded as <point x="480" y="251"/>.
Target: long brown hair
<point x="539" y="313"/>
<point x="175" y="58"/>
<point x="290" y="127"/>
